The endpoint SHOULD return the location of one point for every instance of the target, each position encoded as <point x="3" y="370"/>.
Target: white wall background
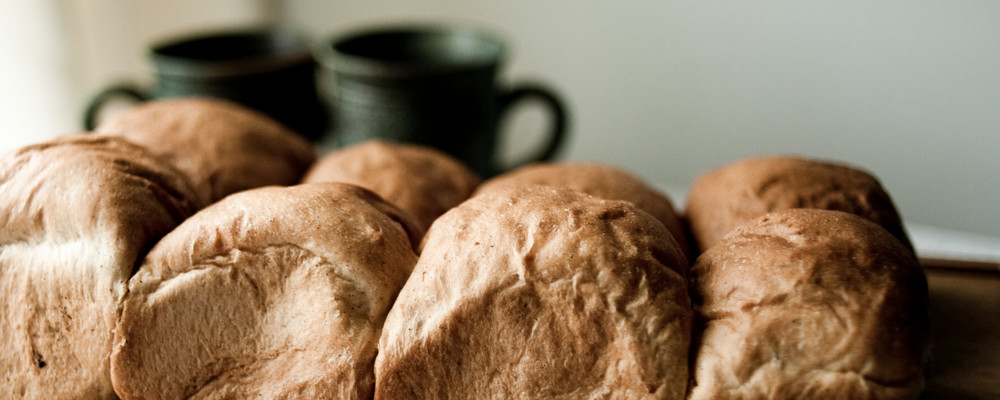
<point x="669" y="89"/>
<point x="58" y="53"/>
<point x="909" y="90"/>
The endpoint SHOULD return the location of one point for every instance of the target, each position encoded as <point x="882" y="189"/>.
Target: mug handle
<point x="98" y="102"/>
<point x="558" y="112"/>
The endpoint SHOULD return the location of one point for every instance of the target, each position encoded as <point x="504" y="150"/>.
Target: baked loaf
<point x="731" y="195"/>
<point x="809" y="304"/>
<point x="540" y="293"/>
<point x="598" y="180"/>
<point x="268" y="293"/>
<point x="421" y="180"/>
<point x="222" y="147"/>
<point x="78" y="213"/>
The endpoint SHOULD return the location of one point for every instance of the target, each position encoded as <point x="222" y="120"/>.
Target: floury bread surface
<point x="421" y="180"/>
<point x="540" y="293"/>
<point x="268" y="293"/>
<point x="603" y="181"/>
<point x="809" y="304"/>
<point x="78" y="213"/>
<point x="729" y="196"/>
<point x="222" y="147"/>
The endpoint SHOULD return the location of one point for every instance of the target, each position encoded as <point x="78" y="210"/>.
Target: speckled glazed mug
<point x="429" y="84"/>
<point x="268" y="69"/>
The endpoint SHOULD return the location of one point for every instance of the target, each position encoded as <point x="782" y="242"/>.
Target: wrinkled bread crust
<point x="269" y="293"/>
<point x="222" y="147"/>
<point x="540" y="292"/>
<point x="78" y="213"/>
<point x="813" y="304"/>
<point x="729" y="196"/>
<point x="421" y="180"/>
<point x="597" y="180"/>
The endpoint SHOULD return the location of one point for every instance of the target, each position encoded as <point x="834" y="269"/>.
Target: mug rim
<point x="333" y="56"/>
<point x="286" y="48"/>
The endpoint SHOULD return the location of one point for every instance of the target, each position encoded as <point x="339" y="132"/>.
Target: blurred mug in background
<point x="429" y="84"/>
<point x="268" y="69"/>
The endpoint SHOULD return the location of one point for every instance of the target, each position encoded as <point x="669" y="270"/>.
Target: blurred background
<point x="909" y="90"/>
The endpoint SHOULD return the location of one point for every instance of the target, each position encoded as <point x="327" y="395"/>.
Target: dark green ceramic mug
<point x="434" y="85"/>
<point x="271" y="70"/>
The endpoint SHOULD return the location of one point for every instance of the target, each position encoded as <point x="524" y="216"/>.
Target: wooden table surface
<point x="965" y="318"/>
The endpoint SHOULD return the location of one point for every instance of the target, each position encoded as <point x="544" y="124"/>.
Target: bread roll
<point x="269" y="293"/>
<point x="809" y="304"/>
<point x="540" y="293"/>
<point x="598" y="180"/>
<point x="421" y="180"/>
<point x="731" y="195"/>
<point x="78" y="213"/>
<point x="222" y="147"/>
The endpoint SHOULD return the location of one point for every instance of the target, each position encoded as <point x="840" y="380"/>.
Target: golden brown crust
<point x="269" y="293"/>
<point x="78" y="213"/>
<point x="421" y="180"/>
<point x="222" y="147"/>
<point x="598" y="180"/>
<point x="540" y="292"/>
<point x="808" y="303"/>
<point x="729" y="196"/>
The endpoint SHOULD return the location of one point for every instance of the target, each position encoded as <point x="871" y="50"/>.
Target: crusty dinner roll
<point x="731" y="195"/>
<point x="540" y="293"/>
<point x="277" y="292"/>
<point x="222" y="147"/>
<point x="78" y="213"/>
<point x="809" y="304"/>
<point x="598" y="180"/>
<point x="421" y="180"/>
